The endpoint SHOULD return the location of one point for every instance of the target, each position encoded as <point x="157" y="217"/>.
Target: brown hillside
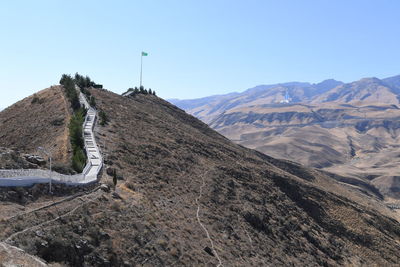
<point x="38" y="120"/>
<point x="361" y="142"/>
<point x="188" y="189"/>
<point x="364" y="91"/>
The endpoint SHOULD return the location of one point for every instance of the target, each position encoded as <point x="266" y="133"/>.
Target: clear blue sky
<point x="196" y="48"/>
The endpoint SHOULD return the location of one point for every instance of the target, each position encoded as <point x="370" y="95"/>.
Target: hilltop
<point x="178" y="181"/>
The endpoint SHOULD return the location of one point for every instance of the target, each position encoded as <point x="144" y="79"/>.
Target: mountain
<point x="210" y="107"/>
<point x="364" y="91"/>
<point x="186" y="195"/>
<point x="349" y="129"/>
<point x="394" y="83"/>
<point x="359" y="142"/>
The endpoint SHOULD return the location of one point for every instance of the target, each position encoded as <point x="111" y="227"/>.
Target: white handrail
<point x="28" y="177"/>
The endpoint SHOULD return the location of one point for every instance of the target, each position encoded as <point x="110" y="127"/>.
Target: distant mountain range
<point x="367" y="90"/>
<point x="351" y="129"/>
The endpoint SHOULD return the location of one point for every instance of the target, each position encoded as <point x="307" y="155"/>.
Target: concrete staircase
<point x="28" y="177"/>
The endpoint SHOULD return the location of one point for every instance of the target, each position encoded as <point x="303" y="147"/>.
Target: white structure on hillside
<point x="287" y="98"/>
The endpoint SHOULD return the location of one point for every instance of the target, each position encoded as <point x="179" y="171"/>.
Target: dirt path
<point x="199" y="220"/>
<point x="32" y="223"/>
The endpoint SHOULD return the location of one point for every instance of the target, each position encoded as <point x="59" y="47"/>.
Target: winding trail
<point x="9" y="239"/>
<point x="14" y="257"/>
<point x="201" y="224"/>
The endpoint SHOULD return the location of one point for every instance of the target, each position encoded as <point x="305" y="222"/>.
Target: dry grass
<point x="25" y="125"/>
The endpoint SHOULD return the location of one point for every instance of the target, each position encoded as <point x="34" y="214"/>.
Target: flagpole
<point x="141" y="67"/>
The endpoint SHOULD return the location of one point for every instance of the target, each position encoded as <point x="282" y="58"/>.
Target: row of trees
<point x="70" y="91"/>
<point x="76" y="123"/>
<point x="77" y="142"/>
<point x="83" y="81"/>
<point x="70" y="85"/>
<point x="141" y="90"/>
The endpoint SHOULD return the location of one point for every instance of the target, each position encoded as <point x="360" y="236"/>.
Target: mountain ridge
<point x="321" y="87"/>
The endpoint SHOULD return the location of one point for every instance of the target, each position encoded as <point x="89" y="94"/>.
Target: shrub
<point x="103" y="118"/>
<point x="57" y="122"/>
<point x="35" y="99"/>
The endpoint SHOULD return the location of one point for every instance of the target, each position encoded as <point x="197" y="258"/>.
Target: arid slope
<point x="189" y="196"/>
<point x="38" y="120"/>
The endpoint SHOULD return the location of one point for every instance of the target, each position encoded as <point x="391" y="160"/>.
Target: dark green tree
<point x="70" y="91"/>
<point x="78" y="160"/>
<point x="75" y="128"/>
<point x="115" y="180"/>
<point x="92" y="102"/>
<point x="88" y="82"/>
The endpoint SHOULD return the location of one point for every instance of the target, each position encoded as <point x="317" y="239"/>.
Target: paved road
<point x="90" y="173"/>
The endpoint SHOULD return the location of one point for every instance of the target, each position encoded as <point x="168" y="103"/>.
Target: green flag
<point x="144" y="54"/>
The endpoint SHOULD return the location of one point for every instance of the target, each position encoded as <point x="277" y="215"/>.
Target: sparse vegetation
<point x="141" y="90"/>
<point x="252" y="204"/>
<point x="37" y="100"/>
<point x="57" y="122"/>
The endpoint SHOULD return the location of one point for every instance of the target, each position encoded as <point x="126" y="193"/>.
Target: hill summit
<point x="186" y="195"/>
